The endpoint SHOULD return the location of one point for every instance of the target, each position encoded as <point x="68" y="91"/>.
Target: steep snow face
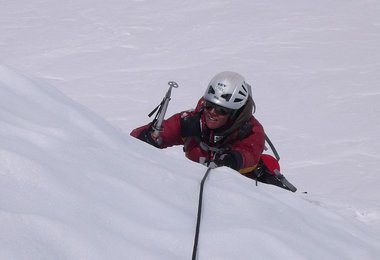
<point x="72" y="186"/>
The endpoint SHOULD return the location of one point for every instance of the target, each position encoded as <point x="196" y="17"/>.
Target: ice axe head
<point x="173" y="84"/>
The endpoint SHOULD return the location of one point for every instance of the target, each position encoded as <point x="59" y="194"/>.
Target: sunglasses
<point x="218" y="109"/>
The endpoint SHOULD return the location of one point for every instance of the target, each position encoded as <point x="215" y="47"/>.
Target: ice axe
<point x="161" y="111"/>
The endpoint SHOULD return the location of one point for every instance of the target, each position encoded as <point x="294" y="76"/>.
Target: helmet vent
<point x="211" y="90"/>
<point x="227" y="97"/>
<point x="244" y="88"/>
<point x="238" y="100"/>
<point x="242" y="93"/>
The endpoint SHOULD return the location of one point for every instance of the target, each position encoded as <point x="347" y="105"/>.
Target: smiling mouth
<point x="212" y="118"/>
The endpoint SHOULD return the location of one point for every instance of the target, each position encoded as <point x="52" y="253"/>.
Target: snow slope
<point x="74" y="184"/>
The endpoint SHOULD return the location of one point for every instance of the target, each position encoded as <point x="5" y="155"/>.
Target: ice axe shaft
<point x="162" y="107"/>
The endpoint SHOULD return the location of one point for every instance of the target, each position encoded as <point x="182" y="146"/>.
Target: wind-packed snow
<point x="77" y="76"/>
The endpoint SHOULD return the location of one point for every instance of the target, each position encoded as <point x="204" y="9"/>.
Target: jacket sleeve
<point x="170" y="134"/>
<point x="171" y="131"/>
<point x="250" y="148"/>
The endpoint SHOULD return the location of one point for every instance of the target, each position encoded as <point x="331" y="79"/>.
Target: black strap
<point x="272" y="147"/>
<point x="199" y="215"/>
<point x="205" y="147"/>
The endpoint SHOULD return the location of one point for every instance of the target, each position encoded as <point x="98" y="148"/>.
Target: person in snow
<point x="221" y="131"/>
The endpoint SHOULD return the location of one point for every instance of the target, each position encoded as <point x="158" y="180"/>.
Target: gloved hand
<point x="229" y="159"/>
<point x="146" y="136"/>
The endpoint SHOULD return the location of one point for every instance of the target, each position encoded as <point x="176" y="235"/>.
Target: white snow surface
<point x="77" y="76"/>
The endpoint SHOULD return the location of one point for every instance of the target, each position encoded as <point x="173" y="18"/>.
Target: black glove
<point x="146" y="136"/>
<point x="232" y="160"/>
<point x="259" y="171"/>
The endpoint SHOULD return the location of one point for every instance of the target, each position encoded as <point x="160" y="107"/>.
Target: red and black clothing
<point x="239" y="144"/>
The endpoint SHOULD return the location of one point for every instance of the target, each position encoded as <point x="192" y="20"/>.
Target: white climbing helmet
<point x="228" y="89"/>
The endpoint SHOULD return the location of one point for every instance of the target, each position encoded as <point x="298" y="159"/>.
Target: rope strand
<point x="199" y="215"/>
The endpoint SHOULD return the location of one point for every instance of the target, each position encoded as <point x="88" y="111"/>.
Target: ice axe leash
<point x="199" y="215"/>
<point x="161" y="110"/>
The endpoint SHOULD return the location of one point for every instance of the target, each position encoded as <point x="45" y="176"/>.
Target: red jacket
<point x="203" y="145"/>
